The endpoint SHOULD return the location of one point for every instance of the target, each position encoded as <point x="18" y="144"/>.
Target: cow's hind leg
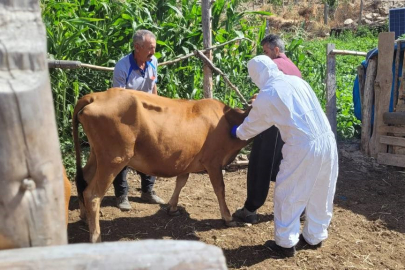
<point x="174" y="200"/>
<point x="89" y="171"/>
<point x="94" y="194"/>
<point x="217" y="181"/>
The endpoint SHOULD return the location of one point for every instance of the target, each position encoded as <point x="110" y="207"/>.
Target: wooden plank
<point x="389" y="140"/>
<point x="401" y="91"/>
<point x="396" y="73"/>
<point x="394" y="118"/>
<point x="391" y="159"/>
<point x="145" y="254"/>
<point x="331" y="87"/>
<point x="367" y="105"/>
<point x="360" y="74"/>
<point x="207" y="42"/>
<point x="396" y="130"/>
<point x="31" y="194"/>
<point x="347" y="52"/>
<point x="382" y="89"/>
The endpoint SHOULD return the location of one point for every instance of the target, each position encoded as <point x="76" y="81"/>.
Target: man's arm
<point x="258" y="119"/>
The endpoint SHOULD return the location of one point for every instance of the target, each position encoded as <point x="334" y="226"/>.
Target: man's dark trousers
<point x="121" y="185"/>
<point x="264" y="164"/>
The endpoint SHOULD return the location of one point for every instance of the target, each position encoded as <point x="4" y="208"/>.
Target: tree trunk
<point x="31" y="180"/>
<point x="325" y="13"/>
<point x="361" y="12"/>
<point x="207" y="42"/>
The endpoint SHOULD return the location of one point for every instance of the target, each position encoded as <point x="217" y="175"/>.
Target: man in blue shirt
<point x="138" y="71"/>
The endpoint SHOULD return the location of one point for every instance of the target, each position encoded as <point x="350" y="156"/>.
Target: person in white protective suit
<point x="309" y="169"/>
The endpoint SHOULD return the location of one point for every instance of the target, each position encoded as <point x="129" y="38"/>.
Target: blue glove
<point x="233" y="131"/>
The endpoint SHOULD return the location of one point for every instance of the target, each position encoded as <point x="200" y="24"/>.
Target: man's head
<point x="272" y="46"/>
<point x="144" y="45"/>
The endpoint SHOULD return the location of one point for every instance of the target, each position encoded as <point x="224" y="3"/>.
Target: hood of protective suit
<point x="263" y="70"/>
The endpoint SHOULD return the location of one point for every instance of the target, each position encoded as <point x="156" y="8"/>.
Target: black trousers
<point x="121" y="185"/>
<point x="264" y="164"/>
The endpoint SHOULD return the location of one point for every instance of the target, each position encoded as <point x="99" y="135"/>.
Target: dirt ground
<point x="367" y="230"/>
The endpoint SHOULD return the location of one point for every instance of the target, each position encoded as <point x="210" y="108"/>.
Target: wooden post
<point x="360" y="12"/>
<point x="135" y="255"/>
<point x="367" y="105"/>
<point x="31" y="179"/>
<point x="400" y="107"/>
<point x="207" y="41"/>
<point x="325" y="13"/>
<point x="360" y="73"/>
<point x="396" y="74"/>
<point x="331" y="87"/>
<point x="382" y="88"/>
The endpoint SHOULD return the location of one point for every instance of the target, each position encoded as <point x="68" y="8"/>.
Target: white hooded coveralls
<point x="309" y="169"/>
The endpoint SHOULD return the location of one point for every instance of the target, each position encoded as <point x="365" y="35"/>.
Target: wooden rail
<point x="135" y="255"/>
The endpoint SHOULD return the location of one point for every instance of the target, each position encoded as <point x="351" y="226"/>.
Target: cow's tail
<point x="81" y="184"/>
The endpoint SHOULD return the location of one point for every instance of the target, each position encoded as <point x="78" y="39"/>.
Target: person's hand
<point x="233" y="131"/>
<point x="252" y="98"/>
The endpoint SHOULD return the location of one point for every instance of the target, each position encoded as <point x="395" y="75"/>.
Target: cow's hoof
<point x="231" y="223"/>
<point x="173" y="213"/>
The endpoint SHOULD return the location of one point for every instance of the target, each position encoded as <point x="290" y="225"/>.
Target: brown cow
<point x="155" y="135"/>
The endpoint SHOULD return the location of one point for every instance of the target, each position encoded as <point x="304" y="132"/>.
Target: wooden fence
<point x="382" y="131"/>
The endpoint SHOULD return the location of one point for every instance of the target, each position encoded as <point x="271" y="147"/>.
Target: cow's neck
<point x="235" y="116"/>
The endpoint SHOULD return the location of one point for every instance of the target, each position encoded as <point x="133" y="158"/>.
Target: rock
<point x="348" y="22"/>
<point x="384" y="11"/>
<point x="369" y="16"/>
<point x="381" y="19"/>
<point x="242" y="157"/>
<point x="368" y="21"/>
<point x="375" y="15"/>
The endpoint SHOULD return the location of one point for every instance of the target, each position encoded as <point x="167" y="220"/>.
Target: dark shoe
<point x="283" y="252"/>
<point x="123" y="203"/>
<point x="151" y="197"/>
<point x="306" y="245"/>
<point x="246" y="216"/>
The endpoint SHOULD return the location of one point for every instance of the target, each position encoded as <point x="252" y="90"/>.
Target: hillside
<point x="308" y="15"/>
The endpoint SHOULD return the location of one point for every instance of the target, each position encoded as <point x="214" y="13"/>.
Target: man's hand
<point x="253" y="98"/>
<point x="233" y="131"/>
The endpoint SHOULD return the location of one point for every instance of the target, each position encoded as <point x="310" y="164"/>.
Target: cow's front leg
<point x="217" y="181"/>
<point x="174" y="200"/>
